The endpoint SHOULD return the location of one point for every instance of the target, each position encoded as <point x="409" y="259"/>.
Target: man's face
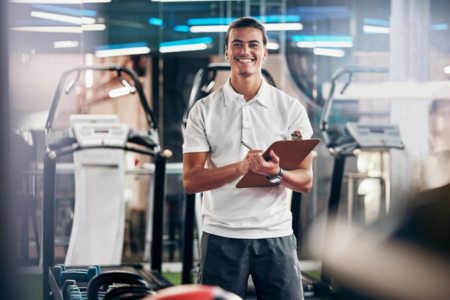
<point x="245" y="51"/>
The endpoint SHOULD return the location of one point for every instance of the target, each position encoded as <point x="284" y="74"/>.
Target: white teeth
<point x="246" y="60"/>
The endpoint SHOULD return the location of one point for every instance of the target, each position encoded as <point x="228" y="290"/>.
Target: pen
<point x="246" y="145"/>
<point x="266" y="156"/>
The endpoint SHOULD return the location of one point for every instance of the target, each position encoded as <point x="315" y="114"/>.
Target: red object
<point x="192" y="292"/>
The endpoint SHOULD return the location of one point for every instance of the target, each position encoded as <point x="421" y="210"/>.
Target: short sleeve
<point x="299" y="120"/>
<point x="195" y="135"/>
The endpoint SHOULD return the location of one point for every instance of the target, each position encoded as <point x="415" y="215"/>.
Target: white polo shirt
<point x="217" y="124"/>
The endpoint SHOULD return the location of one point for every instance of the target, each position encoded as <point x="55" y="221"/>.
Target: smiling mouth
<point x="245" y="60"/>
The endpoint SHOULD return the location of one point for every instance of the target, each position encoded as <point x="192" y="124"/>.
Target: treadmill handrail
<point x="340" y="72"/>
<point x="350" y="70"/>
<point x="119" y="69"/>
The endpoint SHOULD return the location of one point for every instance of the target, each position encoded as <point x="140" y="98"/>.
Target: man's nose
<point x="245" y="48"/>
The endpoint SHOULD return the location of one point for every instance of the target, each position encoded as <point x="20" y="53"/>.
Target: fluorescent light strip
<point x="187" y="0"/>
<point x="155" y="21"/>
<point x="61" y="29"/>
<point x="93" y="27"/>
<point x="447" y="70"/>
<point x="65" y="44"/>
<point x="183" y="48"/>
<point x="65" y="10"/>
<point x="329" y="52"/>
<point x="440" y="26"/>
<point x="53" y="29"/>
<point x="122" y="51"/>
<point x="209" y="28"/>
<point x="273" y="46"/>
<point x="200" y="40"/>
<point x="62" y="18"/>
<point x="376" y="22"/>
<point x="269" y="27"/>
<point x="225" y="21"/>
<point x="122" y="91"/>
<point x="324" y="44"/>
<point x="376" y="29"/>
<point x="283" y="26"/>
<point x="181" y="28"/>
<point x="60" y="1"/>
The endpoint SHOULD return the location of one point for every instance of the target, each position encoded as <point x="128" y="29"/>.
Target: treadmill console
<point x="96" y="130"/>
<point x="376" y="136"/>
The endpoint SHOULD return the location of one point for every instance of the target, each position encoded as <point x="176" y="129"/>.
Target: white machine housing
<point x="99" y="218"/>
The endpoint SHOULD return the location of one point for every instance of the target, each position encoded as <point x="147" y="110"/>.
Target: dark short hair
<point x="247" y="22"/>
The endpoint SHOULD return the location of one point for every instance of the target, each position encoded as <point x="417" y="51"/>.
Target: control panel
<point x="96" y="130"/>
<point x="375" y="136"/>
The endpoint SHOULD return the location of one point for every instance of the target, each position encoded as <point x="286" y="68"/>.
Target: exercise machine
<point x="347" y="142"/>
<point x="98" y="144"/>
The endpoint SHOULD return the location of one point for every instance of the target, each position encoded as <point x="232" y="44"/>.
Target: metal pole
<point x="188" y="239"/>
<point x="158" y="212"/>
<point x="48" y="212"/>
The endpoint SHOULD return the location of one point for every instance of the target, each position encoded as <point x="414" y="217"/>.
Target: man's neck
<point x="246" y="86"/>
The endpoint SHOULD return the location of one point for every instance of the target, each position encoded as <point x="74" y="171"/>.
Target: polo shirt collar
<point x="230" y="94"/>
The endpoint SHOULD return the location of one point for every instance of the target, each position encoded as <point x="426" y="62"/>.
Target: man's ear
<point x="266" y="53"/>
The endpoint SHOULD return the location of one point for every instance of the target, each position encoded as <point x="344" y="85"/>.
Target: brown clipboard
<point x="291" y="154"/>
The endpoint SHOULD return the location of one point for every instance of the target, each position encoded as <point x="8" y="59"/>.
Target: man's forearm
<point x="298" y="180"/>
<point x="202" y="179"/>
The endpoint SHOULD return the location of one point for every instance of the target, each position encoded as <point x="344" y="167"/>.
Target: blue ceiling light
<point x="210" y="21"/>
<point x="155" y="21"/>
<point x="376" y="22"/>
<point x="195" y="44"/>
<point x="376" y="26"/>
<point x="440" y="27"/>
<point x="181" y="28"/>
<point x="122" y="49"/>
<point x="66" y="10"/>
<point x="279" y="18"/>
<point x="322" y="41"/>
<point x="271" y="23"/>
<point x="226" y="21"/>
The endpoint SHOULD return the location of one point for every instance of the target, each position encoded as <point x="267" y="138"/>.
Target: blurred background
<point x="372" y="63"/>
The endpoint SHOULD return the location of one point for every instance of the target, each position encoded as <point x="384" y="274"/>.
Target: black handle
<point x="109" y="278"/>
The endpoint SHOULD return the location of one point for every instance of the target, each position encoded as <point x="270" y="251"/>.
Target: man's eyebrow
<point x="240" y="41"/>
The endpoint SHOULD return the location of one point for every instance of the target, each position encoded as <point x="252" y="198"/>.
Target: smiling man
<point x="246" y="231"/>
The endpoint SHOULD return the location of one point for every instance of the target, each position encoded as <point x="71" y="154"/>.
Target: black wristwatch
<point x="276" y="179"/>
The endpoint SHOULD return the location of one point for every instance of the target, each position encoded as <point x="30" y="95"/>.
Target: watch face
<point x="275" y="179"/>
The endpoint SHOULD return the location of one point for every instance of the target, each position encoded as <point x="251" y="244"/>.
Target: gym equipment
<point x="348" y="141"/>
<point x="91" y="134"/>
<point x="99" y="197"/>
<point x="110" y="282"/>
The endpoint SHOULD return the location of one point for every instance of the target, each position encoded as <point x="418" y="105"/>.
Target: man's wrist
<point x="276" y="179"/>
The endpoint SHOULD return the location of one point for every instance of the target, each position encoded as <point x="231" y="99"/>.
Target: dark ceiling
<point x="150" y="22"/>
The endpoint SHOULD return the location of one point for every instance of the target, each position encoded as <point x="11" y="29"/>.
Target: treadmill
<point x="347" y="142"/>
<point x="98" y="143"/>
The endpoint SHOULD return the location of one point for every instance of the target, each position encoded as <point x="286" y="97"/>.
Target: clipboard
<point x="291" y="154"/>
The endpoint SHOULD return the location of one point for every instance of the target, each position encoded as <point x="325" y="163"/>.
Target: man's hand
<point x="259" y="165"/>
<point x="244" y="165"/>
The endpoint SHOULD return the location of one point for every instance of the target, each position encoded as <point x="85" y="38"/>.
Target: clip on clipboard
<point x="291" y="154"/>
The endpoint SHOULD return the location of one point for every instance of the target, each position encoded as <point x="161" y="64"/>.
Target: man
<point x="246" y="231"/>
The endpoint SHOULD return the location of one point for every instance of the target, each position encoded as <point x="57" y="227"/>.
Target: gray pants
<point x="272" y="263"/>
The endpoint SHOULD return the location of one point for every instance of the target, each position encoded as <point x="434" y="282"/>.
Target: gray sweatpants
<point x="272" y="263"/>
